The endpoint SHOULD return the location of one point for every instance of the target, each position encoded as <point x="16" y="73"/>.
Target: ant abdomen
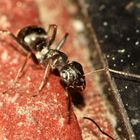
<point x="72" y="77"/>
<point x="32" y="38"/>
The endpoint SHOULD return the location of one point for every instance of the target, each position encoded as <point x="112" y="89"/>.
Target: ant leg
<point x="69" y="107"/>
<point x="62" y="41"/>
<point x="99" y="128"/>
<point x="51" y="33"/>
<point x="19" y="48"/>
<point x="126" y="74"/>
<point x="19" y="73"/>
<point x="43" y="82"/>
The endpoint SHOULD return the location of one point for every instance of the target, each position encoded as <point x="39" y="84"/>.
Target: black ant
<point x="36" y="42"/>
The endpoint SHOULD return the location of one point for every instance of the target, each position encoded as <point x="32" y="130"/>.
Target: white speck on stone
<point x="78" y="25"/>
<point x="4" y="56"/>
<point x="55" y="139"/>
<point x="105" y="23"/>
<point x="119" y="129"/>
<point x="106" y="36"/>
<point x="133" y="136"/>
<point x="137" y="30"/>
<point x="28" y="78"/>
<point x="13" y="99"/>
<point x="61" y="122"/>
<point x="128" y="38"/>
<point x="135" y="121"/>
<point x="18" y="84"/>
<point x="113" y="58"/>
<point x="4" y="22"/>
<point x="55" y="100"/>
<point x="2" y="83"/>
<point x="128" y="55"/>
<point x="126" y="87"/>
<point x="11" y="82"/>
<point x="114" y="65"/>
<point x="137" y="43"/>
<point x="14" y="61"/>
<point x="48" y="84"/>
<point x="121" y="51"/>
<point x="108" y="56"/>
<point x="10" y="72"/>
<point x="27" y="91"/>
<point x="102" y="7"/>
<point x="1" y="104"/>
<point x="5" y="138"/>
<point x="20" y="124"/>
<point x="38" y="131"/>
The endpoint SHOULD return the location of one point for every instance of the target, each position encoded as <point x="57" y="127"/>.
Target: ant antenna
<point x="116" y="72"/>
<point x="51" y="32"/>
<point x="19" y="48"/>
<point x="125" y="73"/>
<point x="62" y="41"/>
<point x="99" y="128"/>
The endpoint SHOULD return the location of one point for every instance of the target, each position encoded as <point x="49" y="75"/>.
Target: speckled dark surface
<point x="117" y="24"/>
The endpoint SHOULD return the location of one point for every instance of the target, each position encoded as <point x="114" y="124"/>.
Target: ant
<point x="35" y="42"/>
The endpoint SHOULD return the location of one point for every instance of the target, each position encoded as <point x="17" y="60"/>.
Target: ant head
<point x="32" y="38"/>
<point x="72" y="77"/>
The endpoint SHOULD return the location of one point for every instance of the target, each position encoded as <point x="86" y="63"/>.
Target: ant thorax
<point x="40" y="55"/>
<point x="56" y="59"/>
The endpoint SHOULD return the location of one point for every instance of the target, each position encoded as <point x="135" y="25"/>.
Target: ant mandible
<point x="35" y="42"/>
